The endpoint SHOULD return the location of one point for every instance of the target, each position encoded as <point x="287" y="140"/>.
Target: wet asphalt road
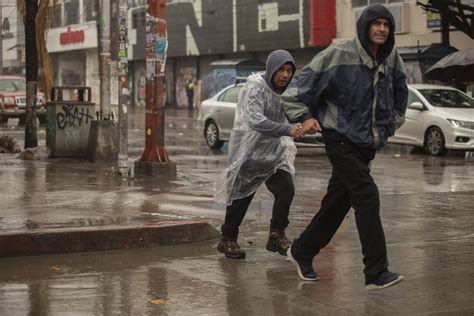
<point x="427" y="212"/>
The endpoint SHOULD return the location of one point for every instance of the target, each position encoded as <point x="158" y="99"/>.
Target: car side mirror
<point x="416" y="106"/>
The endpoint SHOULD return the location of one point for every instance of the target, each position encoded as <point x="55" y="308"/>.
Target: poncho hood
<point x="275" y="60"/>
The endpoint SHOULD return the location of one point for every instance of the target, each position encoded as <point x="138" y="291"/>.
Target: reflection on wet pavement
<point x="426" y="209"/>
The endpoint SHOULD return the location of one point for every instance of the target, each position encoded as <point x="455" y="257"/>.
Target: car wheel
<point x="4" y="119"/>
<point x="434" y="142"/>
<point x="42" y="120"/>
<point x="211" y="133"/>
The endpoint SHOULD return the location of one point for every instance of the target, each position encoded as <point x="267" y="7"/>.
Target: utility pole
<point x="155" y="160"/>
<point x="102" y="144"/>
<point x="123" y="97"/>
<point x="31" y="52"/>
<point x="103" y="31"/>
<point x="1" y="40"/>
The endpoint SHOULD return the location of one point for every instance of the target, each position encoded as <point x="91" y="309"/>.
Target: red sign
<point x="71" y="37"/>
<point x="323" y="22"/>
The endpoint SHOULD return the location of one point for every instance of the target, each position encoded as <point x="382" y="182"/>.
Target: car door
<point x="411" y="132"/>
<point x="227" y="102"/>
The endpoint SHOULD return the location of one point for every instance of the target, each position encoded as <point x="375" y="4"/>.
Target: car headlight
<point x="463" y="124"/>
<point x="10" y="100"/>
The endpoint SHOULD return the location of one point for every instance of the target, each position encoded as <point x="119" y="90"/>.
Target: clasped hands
<point x="310" y="126"/>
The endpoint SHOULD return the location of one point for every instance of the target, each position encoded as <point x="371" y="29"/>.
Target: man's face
<point x="282" y="76"/>
<point x="378" y="31"/>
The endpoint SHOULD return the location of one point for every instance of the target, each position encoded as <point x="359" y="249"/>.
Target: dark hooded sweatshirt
<point x="354" y="96"/>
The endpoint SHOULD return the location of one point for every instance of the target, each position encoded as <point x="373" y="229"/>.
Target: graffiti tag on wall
<point x="73" y="116"/>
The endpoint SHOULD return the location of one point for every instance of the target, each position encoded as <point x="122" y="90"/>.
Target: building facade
<point x="204" y="33"/>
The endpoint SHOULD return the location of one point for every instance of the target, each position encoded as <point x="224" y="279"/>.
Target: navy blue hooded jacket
<point x="353" y="95"/>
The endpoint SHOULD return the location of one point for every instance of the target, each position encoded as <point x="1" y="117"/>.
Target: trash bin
<point x="68" y="119"/>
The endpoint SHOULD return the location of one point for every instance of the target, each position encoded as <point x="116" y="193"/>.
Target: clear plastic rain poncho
<point x="254" y="155"/>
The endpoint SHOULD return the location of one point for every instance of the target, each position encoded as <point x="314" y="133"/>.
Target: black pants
<point x="190" y="102"/>
<point x="281" y="186"/>
<point x="350" y="185"/>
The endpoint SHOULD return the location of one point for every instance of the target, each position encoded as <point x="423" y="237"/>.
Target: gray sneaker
<point x="277" y="241"/>
<point x="230" y="248"/>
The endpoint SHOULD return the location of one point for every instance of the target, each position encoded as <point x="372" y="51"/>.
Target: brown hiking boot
<point x="277" y="241"/>
<point x="230" y="248"/>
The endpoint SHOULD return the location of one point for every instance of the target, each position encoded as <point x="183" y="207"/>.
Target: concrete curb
<point x="104" y="238"/>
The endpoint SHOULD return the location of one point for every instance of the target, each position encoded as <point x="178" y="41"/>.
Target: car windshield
<point x="12" y="84"/>
<point x="447" y="98"/>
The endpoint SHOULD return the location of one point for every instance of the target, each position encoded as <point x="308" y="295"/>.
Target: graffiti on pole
<point x="156" y="48"/>
<point x="123" y="93"/>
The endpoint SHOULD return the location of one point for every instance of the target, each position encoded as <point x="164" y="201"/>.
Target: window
<point x="138" y="18"/>
<point x="398" y="10"/>
<point x="89" y="8"/>
<point x="230" y="95"/>
<point x="71" y="12"/>
<point x="363" y="3"/>
<point x="412" y="98"/>
<point x="56" y="18"/>
<point x="447" y="98"/>
<point x="221" y="97"/>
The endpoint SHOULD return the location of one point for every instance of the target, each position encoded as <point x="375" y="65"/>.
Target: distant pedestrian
<point x="261" y="150"/>
<point x="357" y="90"/>
<point x="190" y="94"/>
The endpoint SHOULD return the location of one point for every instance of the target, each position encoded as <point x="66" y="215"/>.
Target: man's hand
<point x="297" y="131"/>
<point x="311" y="126"/>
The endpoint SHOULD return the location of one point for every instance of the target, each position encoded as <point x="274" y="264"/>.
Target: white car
<point x="438" y="118"/>
<point x="217" y="119"/>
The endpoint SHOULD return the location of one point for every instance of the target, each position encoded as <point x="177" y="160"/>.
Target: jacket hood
<point x="275" y="60"/>
<point x="370" y="14"/>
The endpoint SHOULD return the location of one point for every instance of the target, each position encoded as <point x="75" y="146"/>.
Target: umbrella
<point x="457" y="66"/>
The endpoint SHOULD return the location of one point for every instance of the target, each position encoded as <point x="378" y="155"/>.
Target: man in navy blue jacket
<point x="355" y="92"/>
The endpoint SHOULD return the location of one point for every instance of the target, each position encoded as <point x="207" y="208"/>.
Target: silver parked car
<point x="438" y="118"/>
<point x="217" y="118"/>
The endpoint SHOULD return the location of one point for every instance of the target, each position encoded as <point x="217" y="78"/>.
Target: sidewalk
<point x="71" y="205"/>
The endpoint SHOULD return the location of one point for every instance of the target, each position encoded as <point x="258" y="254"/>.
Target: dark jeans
<point x="350" y="185"/>
<point x="281" y="186"/>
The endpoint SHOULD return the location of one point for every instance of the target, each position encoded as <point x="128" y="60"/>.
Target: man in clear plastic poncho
<point x="261" y="150"/>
